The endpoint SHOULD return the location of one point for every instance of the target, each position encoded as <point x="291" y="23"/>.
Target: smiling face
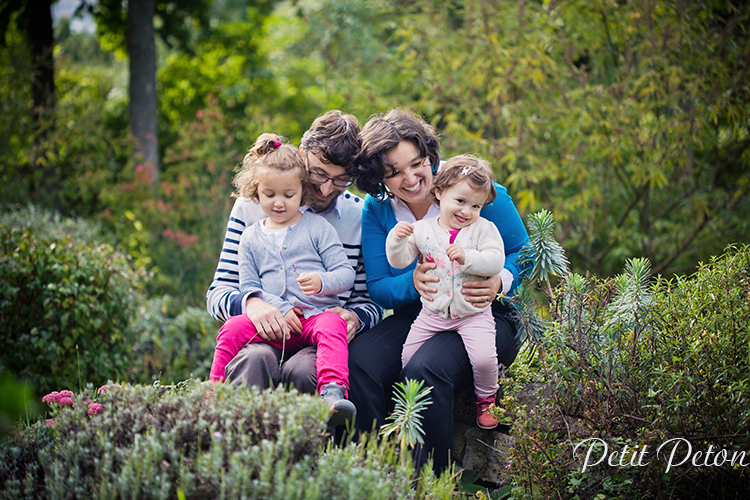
<point x="411" y="177"/>
<point x="460" y="205"/>
<point x="280" y="195"/>
<point x="324" y="193"/>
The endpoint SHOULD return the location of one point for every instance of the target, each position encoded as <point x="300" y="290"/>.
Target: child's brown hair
<point x="469" y="168"/>
<point x="270" y="152"/>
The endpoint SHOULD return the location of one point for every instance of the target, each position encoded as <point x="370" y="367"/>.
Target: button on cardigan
<point x="484" y="256"/>
<point x="311" y="245"/>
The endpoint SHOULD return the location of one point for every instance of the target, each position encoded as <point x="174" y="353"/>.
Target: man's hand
<point x="310" y="283"/>
<point x="403" y="229"/>
<point x="481" y="293"/>
<point x="421" y="279"/>
<point x="456" y="253"/>
<point x="352" y="321"/>
<point x="268" y="321"/>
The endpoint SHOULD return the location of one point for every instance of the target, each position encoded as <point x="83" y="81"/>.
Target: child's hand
<point x="293" y="324"/>
<point x="310" y="283"/>
<point x="456" y="253"/>
<point x="403" y="229"/>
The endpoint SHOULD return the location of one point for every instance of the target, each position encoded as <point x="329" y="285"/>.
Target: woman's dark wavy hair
<point x="383" y="133"/>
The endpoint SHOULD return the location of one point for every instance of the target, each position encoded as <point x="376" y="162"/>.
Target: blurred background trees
<point x="628" y="119"/>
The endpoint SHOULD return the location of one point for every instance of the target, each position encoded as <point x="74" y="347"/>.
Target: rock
<point x="485" y="451"/>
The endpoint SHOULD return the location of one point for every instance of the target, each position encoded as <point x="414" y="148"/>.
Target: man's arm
<point x="360" y="303"/>
<point x="223" y="298"/>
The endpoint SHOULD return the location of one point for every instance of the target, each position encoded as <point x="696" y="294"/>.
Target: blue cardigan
<point x="392" y="288"/>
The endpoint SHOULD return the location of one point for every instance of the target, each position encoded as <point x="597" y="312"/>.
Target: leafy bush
<point x="66" y="300"/>
<point x="171" y="348"/>
<point x="635" y="362"/>
<point x="198" y="441"/>
<point x="175" y="226"/>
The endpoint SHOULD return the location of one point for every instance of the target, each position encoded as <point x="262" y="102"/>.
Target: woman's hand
<point x="422" y="280"/>
<point x="268" y="321"/>
<point x="481" y="293"/>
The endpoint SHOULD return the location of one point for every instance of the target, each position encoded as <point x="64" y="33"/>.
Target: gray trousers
<point x="258" y="365"/>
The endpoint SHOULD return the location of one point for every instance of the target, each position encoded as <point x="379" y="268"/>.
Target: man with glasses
<point x="327" y="148"/>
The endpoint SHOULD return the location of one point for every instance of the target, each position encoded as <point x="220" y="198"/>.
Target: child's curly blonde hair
<point x="472" y="169"/>
<point x="270" y="154"/>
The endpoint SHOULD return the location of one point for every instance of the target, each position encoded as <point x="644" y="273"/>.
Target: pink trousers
<point x="478" y="334"/>
<point x="326" y="331"/>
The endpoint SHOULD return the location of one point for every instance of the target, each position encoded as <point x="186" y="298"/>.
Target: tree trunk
<point x="142" y="51"/>
<point x="42" y="41"/>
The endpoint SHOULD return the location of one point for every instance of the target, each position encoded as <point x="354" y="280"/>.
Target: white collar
<point x="403" y="213"/>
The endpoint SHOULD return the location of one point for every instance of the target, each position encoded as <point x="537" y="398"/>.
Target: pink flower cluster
<point x="62" y="398"/>
<point x="95" y="409"/>
<point x="103" y="389"/>
<point x="184" y="239"/>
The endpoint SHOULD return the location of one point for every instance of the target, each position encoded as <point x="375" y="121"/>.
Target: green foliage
<point x="175" y="227"/>
<point x="16" y="402"/>
<point x="543" y="251"/>
<point x="66" y="300"/>
<point x="66" y="163"/>
<point x="200" y="441"/>
<point x="547" y="259"/>
<point x="411" y="399"/>
<point x="171" y="347"/>
<point x="627" y="119"/>
<point x="634" y="361"/>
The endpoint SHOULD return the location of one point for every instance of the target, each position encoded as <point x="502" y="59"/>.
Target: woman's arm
<point x="389" y="287"/>
<point x="503" y="213"/>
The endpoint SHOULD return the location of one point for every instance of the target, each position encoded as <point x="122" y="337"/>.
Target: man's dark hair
<point x="334" y="138"/>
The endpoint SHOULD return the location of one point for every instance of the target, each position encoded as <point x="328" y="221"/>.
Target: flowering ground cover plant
<point x="196" y="441"/>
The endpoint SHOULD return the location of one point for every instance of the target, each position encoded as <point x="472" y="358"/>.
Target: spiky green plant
<point x="411" y="398"/>
<point x="632" y="292"/>
<point x="548" y="260"/>
<point x="543" y="250"/>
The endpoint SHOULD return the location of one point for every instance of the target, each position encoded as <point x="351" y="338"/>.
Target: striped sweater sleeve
<point x="359" y="302"/>
<point x="223" y="298"/>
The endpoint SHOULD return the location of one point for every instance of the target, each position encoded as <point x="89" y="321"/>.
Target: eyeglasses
<point x="318" y="177"/>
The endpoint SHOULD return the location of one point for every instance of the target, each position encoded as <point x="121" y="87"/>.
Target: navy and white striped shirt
<point x="224" y="299"/>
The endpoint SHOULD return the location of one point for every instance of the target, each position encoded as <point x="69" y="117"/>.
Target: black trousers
<point x="442" y="362"/>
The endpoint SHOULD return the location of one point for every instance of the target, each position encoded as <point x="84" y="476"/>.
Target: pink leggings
<point x="478" y="333"/>
<point x="327" y="331"/>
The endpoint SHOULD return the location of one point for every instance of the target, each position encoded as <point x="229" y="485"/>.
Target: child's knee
<point x="335" y="321"/>
<point x="485" y="365"/>
<point x="234" y="327"/>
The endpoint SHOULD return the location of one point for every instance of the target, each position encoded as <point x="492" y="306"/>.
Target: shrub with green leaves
<point x="201" y="441"/>
<point x="171" y="346"/>
<point x="637" y="361"/>
<point x="66" y="301"/>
